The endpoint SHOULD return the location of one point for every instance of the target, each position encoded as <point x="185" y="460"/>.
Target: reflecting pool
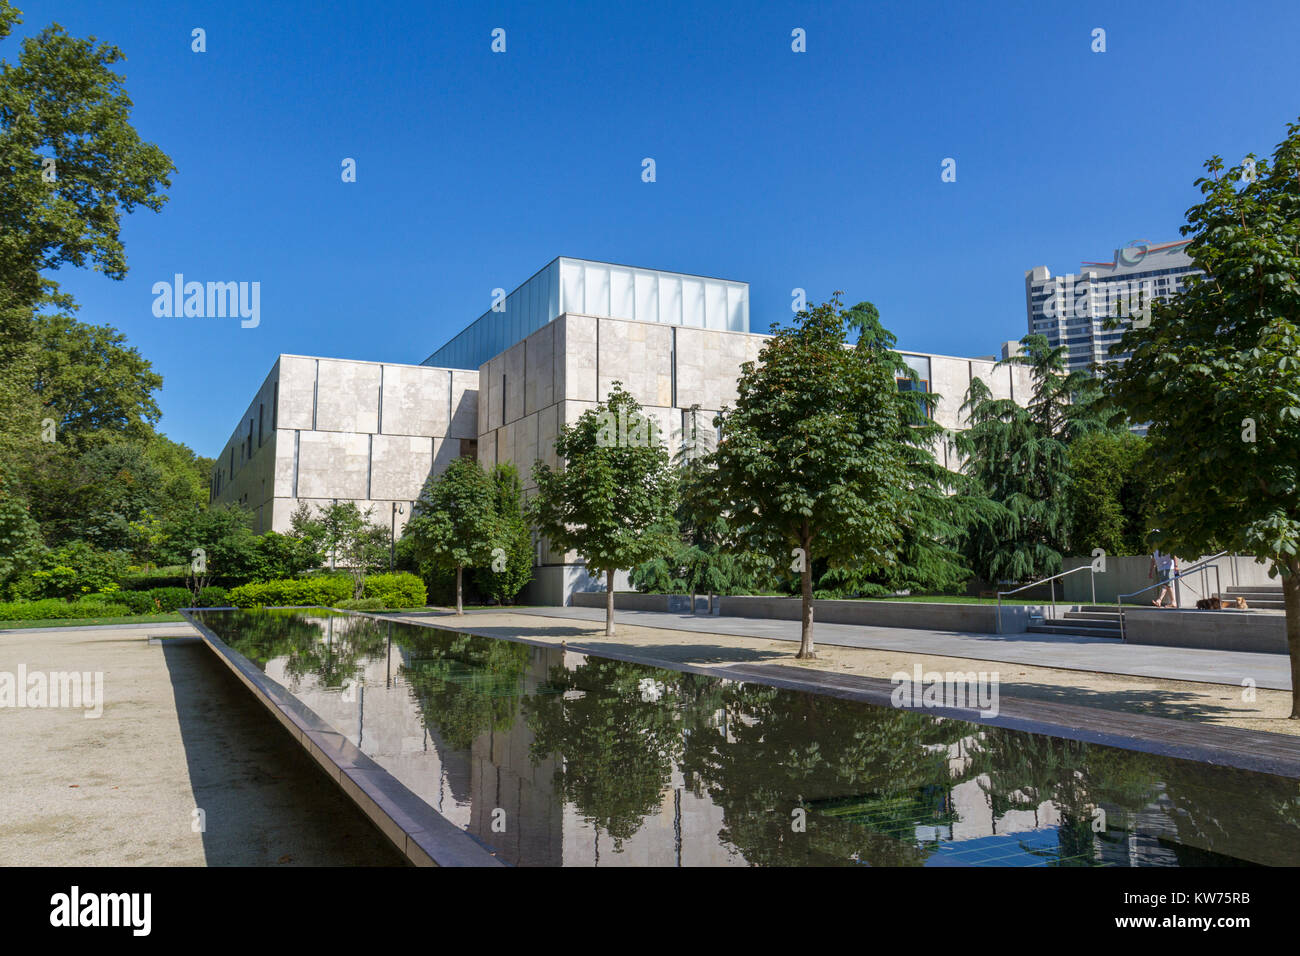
<point x="554" y="758"/>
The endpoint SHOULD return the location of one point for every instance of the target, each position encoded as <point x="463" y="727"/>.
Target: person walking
<point x="1164" y="568"/>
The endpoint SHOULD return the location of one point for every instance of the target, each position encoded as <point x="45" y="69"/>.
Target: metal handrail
<point x="1178" y="575"/>
<point x="1052" y="579"/>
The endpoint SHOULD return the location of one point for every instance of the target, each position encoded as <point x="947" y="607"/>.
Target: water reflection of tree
<point x="1023" y="771"/>
<point x="618" y="728"/>
<point x="866" y="777"/>
<point x="1234" y="813"/>
<point x="464" y="686"/>
<point x="331" y="649"/>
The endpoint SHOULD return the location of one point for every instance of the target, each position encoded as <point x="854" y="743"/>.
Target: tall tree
<point x="511" y="566"/>
<point x="941" y="503"/>
<point x="454" y="524"/>
<point x="1018" y="456"/>
<point x="809" y="462"/>
<point x="72" y="162"/>
<point x="91" y="383"/>
<point x="1216" y="374"/>
<point x="612" y="501"/>
<point x="1112" y="487"/>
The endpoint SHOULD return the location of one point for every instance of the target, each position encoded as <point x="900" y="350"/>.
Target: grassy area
<point x="166" y="618"/>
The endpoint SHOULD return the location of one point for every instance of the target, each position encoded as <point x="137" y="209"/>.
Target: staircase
<point x="1258" y="597"/>
<point x="1090" y="620"/>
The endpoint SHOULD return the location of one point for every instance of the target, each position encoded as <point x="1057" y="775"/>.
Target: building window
<point x="259" y="424"/>
<point x="918" y="385"/>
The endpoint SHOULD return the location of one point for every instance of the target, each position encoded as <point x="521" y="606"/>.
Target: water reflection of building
<point x="953" y="821"/>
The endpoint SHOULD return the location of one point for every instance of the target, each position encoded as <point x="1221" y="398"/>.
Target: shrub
<point x="169" y="599"/>
<point x="54" y="609"/>
<point x="74" y="570"/>
<point x="324" y="589"/>
<point x="401" y="589"/>
<point x="213" y="597"/>
<point x="138" y="601"/>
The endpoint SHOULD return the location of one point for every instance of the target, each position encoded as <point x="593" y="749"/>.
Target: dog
<point x="1218" y="604"/>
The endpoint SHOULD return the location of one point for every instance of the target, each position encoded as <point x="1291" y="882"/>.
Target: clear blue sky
<point x="819" y="170"/>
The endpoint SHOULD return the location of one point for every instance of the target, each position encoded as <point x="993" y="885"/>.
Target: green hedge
<point x="326" y="589"/>
<point x="402" y="589"/>
<point x="56" y="609"/>
<point x="332" y="590"/>
<point x="213" y="597"/>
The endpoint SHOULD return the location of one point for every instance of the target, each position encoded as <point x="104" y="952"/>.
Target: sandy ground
<point x="1184" y="700"/>
<point x="177" y="733"/>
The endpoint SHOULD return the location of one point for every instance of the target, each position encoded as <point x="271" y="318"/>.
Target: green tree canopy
<point x="454" y="523"/>
<point x="614" y="497"/>
<point x="62" y="101"/>
<point x="809" y="463"/>
<point x="512" y="567"/>
<point x="1018" y="456"/>
<point x="1216" y="374"/>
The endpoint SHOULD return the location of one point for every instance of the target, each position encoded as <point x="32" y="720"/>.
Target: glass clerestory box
<point x="601" y="289"/>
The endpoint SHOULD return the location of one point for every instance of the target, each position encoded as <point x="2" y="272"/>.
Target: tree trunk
<point x="1291" y="598"/>
<point x="807" y="649"/>
<point x="609" y="603"/>
<point x="460" y="604"/>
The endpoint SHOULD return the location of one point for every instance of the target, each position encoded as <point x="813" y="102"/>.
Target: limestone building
<point x="323" y="429"/>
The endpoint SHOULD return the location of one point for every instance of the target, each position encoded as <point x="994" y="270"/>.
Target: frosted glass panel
<point x="622" y="304"/>
<point x="597" y="281"/>
<point x="737" y="321"/>
<point x="692" y="302"/>
<point x="670" y="300"/>
<point x="647" y="296"/>
<point x="715" y="305"/>
<point x="571" y="287"/>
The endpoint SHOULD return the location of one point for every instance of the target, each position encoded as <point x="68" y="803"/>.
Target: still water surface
<point x="554" y="758"/>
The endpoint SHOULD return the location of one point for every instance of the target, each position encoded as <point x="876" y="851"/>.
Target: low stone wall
<point x="977" y="618"/>
<point x="1258" y="631"/>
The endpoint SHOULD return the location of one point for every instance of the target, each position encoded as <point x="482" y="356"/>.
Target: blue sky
<point x="818" y="170"/>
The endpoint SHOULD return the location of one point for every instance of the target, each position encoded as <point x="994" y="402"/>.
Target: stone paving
<point x="175" y="732"/>
<point x="1068" y="652"/>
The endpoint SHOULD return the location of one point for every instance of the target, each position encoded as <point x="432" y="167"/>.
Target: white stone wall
<point x="550" y="378"/>
<point x="367" y="432"/>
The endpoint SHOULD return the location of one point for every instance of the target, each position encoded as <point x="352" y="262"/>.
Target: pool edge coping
<point x="421" y="834"/>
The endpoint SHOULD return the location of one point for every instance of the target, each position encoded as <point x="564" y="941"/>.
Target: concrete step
<point x="1093" y="616"/>
<point x="1084" y="624"/>
<point x="1062" y="628"/>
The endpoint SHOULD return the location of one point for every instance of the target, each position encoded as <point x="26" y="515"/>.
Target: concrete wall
<point x="547" y="380"/>
<point x="1257" y="631"/>
<point x="976" y="618"/>
<point x="367" y="432"/>
<point x="1128" y="573"/>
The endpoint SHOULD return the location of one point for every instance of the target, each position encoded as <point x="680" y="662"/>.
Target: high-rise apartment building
<point x="1072" y="310"/>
